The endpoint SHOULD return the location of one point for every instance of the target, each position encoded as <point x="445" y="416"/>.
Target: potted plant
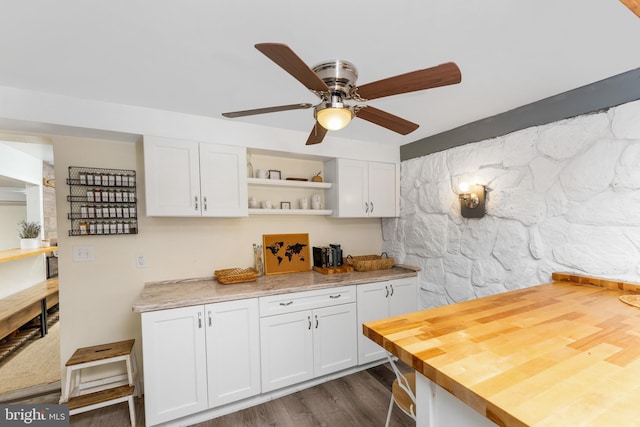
<point x="29" y="233"/>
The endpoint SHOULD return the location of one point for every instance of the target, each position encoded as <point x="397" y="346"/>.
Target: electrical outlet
<point x="141" y="261"/>
<point x="83" y="254"/>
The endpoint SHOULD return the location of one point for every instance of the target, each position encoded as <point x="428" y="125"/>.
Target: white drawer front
<point x="296" y="301"/>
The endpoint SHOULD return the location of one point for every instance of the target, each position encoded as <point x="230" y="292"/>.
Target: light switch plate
<point x="141" y="261"/>
<point x="83" y="254"/>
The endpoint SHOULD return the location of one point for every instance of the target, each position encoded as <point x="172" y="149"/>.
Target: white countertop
<point x="182" y="293"/>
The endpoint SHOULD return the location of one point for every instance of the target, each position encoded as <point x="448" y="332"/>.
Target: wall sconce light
<point x="472" y="200"/>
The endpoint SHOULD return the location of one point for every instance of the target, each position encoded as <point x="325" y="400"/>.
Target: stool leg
<point x="66" y="389"/>
<point x="136" y="375"/>
<point x="129" y="370"/>
<point x="76" y="383"/>
<point x="132" y="411"/>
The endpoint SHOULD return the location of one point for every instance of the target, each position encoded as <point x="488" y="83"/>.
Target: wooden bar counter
<point x="565" y="353"/>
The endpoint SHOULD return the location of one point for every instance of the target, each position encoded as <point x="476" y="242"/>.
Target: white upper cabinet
<point x="384" y="189"/>
<point x="172" y="176"/>
<point x="363" y="188"/>
<point x="189" y="178"/>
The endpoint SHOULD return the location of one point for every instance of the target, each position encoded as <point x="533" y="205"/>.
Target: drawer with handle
<point x="296" y="301"/>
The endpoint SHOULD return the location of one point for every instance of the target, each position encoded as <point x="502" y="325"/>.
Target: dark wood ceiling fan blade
<point x="633" y="5"/>
<point x="386" y="120"/>
<point x="317" y="134"/>
<point x="440" y="75"/>
<point x="234" y="114"/>
<point x="287" y="59"/>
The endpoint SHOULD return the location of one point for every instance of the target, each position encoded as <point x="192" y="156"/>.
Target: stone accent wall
<point x="561" y="197"/>
<point x="49" y="204"/>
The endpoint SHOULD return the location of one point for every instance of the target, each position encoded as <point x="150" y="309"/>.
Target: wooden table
<point x="21" y="307"/>
<point x="565" y="353"/>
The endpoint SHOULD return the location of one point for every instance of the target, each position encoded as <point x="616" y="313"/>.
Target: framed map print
<point x="286" y="253"/>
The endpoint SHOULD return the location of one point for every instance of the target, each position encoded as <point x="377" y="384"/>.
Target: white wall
<point x="20" y="274"/>
<point x="562" y="197"/>
<point x="20" y="166"/>
<point x="10" y="215"/>
<point x="96" y="297"/>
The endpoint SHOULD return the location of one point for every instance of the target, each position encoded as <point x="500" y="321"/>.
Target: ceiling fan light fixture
<point x="334" y="118"/>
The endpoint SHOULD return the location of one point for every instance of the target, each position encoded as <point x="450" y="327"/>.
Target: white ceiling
<point x="198" y="57"/>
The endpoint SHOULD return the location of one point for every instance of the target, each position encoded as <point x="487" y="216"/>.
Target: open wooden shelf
<point x="11" y="254"/>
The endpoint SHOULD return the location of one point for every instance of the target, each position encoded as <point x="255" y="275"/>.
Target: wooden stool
<point x="86" y="396"/>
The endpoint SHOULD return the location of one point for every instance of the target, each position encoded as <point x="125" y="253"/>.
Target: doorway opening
<point x="29" y="362"/>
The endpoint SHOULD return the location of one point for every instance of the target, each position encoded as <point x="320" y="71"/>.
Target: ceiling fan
<point x="334" y="82"/>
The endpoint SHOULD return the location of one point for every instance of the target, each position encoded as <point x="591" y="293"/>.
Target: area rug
<point x="31" y="360"/>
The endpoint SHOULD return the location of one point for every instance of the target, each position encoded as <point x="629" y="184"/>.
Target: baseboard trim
<point x="30" y="393"/>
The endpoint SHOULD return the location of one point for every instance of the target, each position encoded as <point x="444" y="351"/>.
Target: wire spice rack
<point x="103" y="202"/>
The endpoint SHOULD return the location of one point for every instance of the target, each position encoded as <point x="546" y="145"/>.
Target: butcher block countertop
<point x="565" y="353"/>
<point x="182" y="293"/>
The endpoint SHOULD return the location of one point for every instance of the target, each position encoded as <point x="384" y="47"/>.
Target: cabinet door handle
<point x="309" y="320"/>
<point x="316" y="321"/>
<point x="286" y="303"/>
<point x="196" y="200"/>
<point x="210" y="320"/>
<point x="366" y="209"/>
<point x="387" y="288"/>
<point x="204" y="203"/>
<point x="391" y="286"/>
<point x="371" y="207"/>
<point x="335" y="296"/>
<point x="199" y="320"/>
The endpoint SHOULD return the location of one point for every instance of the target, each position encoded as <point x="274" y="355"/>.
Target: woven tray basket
<point x="235" y="275"/>
<point x="370" y="262"/>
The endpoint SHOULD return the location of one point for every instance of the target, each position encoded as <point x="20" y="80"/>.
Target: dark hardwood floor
<point x="356" y="400"/>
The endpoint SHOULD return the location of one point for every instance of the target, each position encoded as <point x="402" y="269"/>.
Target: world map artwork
<point x="289" y="251"/>
<point x="286" y="253"/>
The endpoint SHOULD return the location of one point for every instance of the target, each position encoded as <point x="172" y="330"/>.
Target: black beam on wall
<point x="591" y="98"/>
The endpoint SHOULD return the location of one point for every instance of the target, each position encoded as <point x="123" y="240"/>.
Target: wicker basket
<point x="370" y="262"/>
<point x="235" y="275"/>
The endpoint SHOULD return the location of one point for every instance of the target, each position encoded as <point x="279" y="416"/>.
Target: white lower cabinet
<point x="203" y="357"/>
<point x="286" y="344"/>
<point x="300" y="345"/>
<point x="199" y="357"/>
<point x="233" y="354"/>
<point x="381" y="300"/>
